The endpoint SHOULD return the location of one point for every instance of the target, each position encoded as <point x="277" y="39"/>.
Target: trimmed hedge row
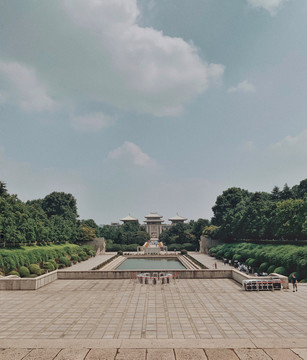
<point x="40" y="259"/>
<point x="283" y="259"/>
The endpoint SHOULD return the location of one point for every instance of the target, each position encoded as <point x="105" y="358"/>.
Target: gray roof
<point x="129" y="218"/>
<point x="154" y="215"/>
<point x="177" y="217"/>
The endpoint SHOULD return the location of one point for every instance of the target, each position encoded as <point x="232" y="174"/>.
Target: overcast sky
<point x="151" y="105"/>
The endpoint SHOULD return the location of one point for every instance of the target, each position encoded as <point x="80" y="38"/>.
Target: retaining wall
<point x="36" y="283"/>
<point x="28" y="283"/>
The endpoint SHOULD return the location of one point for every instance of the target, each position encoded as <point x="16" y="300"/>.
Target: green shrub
<point x="1" y="273"/>
<point x="271" y="269"/>
<point x="237" y="257"/>
<point x="250" y="262"/>
<point x="53" y="262"/>
<point x="74" y="258"/>
<point x="303" y="281"/>
<point x="89" y="250"/>
<point x="119" y="252"/>
<point x="213" y="251"/>
<point x="188" y="246"/>
<point x="183" y="252"/>
<point x="83" y="256"/>
<point x="33" y="276"/>
<point x="24" y="271"/>
<point x="64" y="261"/>
<point x="14" y="272"/>
<point x="173" y="247"/>
<point x="263" y="267"/>
<point x="35" y="269"/>
<point x="280" y="270"/>
<point x="48" y="266"/>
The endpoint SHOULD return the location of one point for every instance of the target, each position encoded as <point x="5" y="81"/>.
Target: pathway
<point x="90" y="263"/>
<point x="209" y="261"/>
<point x="154" y="350"/>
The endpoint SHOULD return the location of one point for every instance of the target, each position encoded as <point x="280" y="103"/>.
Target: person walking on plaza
<point x="294" y="282"/>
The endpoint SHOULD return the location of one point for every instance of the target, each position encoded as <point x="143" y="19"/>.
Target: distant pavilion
<point x="177" y="219"/>
<point x="153" y="225"/>
<point x="129" y="219"/>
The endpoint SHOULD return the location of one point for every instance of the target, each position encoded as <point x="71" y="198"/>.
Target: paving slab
<point x="13" y="354"/>
<point x="72" y="354"/>
<point x="101" y="354"/>
<point x="192" y="309"/>
<point x="160" y="354"/>
<point x="39" y="354"/>
<point x="131" y="354"/>
<point x="282" y="354"/>
<point x="284" y="343"/>
<point x="190" y="354"/>
<point x="301" y="353"/>
<point x="252" y="354"/>
<point x="221" y="354"/>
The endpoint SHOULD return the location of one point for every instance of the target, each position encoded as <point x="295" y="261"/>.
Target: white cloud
<point x="23" y="88"/>
<point x="272" y="6"/>
<point x="91" y="122"/>
<point x="154" y="73"/>
<point x="133" y="153"/>
<point x="243" y="87"/>
<point x="292" y="146"/>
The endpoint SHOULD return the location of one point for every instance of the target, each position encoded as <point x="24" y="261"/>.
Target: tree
<point x="91" y="223"/>
<point x="60" y="204"/>
<point x="198" y="227"/>
<point x="86" y="233"/>
<point x="275" y="194"/>
<point x="286" y="193"/>
<point x="3" y="191"/>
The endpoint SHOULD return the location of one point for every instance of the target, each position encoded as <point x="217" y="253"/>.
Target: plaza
<point x="122" y="317"/>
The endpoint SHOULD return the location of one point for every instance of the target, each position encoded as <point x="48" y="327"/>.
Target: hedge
<point x="292" y="258"/>
<point x="12" y="260"/>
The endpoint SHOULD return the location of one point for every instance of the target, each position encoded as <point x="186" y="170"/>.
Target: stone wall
<point x="99" y="245"/>
<point x="7" y="283"/>
<point x="205" y="243"/>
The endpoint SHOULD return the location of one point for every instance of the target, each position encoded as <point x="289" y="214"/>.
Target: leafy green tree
<point x="91" y="223"/>
<point x="86" y="233"/>
<point x="286" y="193"/>
<point x="198" y="227"/>
<point x="275" y="194"/>
<point x="3" y="191"/>
<point x="60" y="204"/>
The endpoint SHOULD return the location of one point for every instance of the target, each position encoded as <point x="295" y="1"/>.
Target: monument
<point x="154" y="225"/>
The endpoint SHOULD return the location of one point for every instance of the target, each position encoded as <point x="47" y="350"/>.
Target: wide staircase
<point x="189" y="264"/>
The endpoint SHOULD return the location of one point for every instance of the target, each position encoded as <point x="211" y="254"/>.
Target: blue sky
<point x="151" y="105"/>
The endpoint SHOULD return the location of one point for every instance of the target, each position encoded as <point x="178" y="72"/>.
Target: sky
<point x="135" y="106"/>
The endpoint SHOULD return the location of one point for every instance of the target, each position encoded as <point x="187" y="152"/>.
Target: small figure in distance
<point x="294" y="282"/>
<point x="215" y="265"/>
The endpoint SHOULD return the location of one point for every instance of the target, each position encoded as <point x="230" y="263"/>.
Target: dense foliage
<point x="39" y="259"/>
<point x="281" y="214"/>
<point x="126" y="237"/>
<point x="266" y="258"/>
<point x="184" y="236"/>
<point x="43" y="221"/>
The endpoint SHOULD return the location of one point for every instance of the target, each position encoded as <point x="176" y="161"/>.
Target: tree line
<point x="49" y="220"/>
<point x="279" y="215"/>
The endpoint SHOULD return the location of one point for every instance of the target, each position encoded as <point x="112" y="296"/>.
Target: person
<point x="294" y="282"/>
<point x="215" y="265"/>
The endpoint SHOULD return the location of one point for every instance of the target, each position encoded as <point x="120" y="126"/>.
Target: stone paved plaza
<point x="205" y="319"/>
<point x="124" y="309"/>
